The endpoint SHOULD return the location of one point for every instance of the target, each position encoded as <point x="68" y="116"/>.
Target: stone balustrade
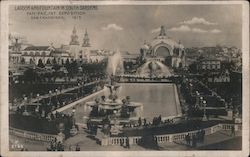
<point x="32" y="135"/>
<point x="132" y="140"/>
<point x="169" y="137"/>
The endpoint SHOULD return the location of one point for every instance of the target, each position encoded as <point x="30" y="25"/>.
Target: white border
<point x="4" y="82"/>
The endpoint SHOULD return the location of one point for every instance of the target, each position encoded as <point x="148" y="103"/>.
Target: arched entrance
<point x="162" y="51"/>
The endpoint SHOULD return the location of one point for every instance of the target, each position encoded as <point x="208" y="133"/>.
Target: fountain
<point x="113" y="107"/>
<point x="154" y="69"/>
<point x="110" y="111"/>
<point x="115" y="64"/>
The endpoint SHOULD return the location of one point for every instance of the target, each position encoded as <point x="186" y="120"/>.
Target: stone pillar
<point x="171" y="138"/>
<point x="104" y="141"/>
<point x="230" y="114"/>
<point x="130" y="140"/>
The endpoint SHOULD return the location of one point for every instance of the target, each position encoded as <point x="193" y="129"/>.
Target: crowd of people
<point x="55" y="146"/>
<point x="143" y="122"/>
<point x="197" y="95"/>
<point x="42" y="110"/>
<point x="193" y="140"/>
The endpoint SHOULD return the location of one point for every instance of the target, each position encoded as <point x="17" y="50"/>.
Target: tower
<point x="74" y="44"/>
<point x="85" y="52"/>
<point x="86" y="40"/>
<point x="162" y="31"/>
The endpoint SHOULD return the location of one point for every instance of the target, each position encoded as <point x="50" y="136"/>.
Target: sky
<point x="127" y="27"/>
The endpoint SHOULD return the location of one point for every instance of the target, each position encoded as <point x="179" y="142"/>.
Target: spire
<point x="162" y="31"/>
<point x="179" y="42"/>
<point x="74" y="30"/>
<point x="74" y="38"/>
<point x="86" y="39"/>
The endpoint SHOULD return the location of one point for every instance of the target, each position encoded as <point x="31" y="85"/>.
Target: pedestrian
<point x="198" y="135"/>
<point x="187" y="138"/>
<point x="145" y="121"/>
<point x="127" y="143"/>
<point x="194" y="141"/>
<point x="203" y="135"/>
<point x="78" y="148"/>
<point x="139" y="121"/>
<point x="233" y="131"/>
<point x="59" y="146"/>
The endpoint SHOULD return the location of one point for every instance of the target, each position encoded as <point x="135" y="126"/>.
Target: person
<point x="78" y="148"/>
<point x="194" y="141"/>
<point x="139" y="121"/>
<point x="233" y="131"/>
<point x="54" y="145"/>
<point x="203" y="135"/>
<point x="198" y="135"/>
<point x="127" y="143"/>
<point x="59" y="146"/>
<point x="187" y="138"/>
<point x="159" y="119"/>
<point x="144" y="121"/>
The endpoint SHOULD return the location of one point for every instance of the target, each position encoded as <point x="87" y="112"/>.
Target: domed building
<point x="165" y="50"/>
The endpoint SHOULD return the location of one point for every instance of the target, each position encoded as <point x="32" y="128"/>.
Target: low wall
<point x="168" y="137"/>
<point x="32" y="135"/>
<point x="78" y="101"/>
<point x="122" y="140"/>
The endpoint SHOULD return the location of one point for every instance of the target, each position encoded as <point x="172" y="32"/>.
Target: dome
<point x="166" y="40"/>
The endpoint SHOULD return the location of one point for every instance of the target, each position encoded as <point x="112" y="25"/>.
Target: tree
<point x="40" y="63"/>
<point x="30" y="75"/>
<point x="54" y="61"/>
<point x="22" y="61"/>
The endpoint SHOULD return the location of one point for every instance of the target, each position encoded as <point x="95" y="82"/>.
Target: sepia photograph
<point x="128" y="77"/>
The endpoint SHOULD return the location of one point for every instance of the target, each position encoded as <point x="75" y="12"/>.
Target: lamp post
<point x="79" y="87"/>
<point x="56" y="90"/>
<point x="37" y="108"/>
<point x="73" y="115"/>
<point x="82" y="88"/>
<point x="38" y="96"/>
<point x="191" y="88"/>
<point x="201" y="101"/>
<point x="25" y="113"/>
<point x="197" y="99"/>
<point x="73" y="130"/>
<point x="204" y="111"/>
<point x="50" y="92"/>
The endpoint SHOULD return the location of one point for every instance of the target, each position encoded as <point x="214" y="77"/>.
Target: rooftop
<point x="36" y="48"/>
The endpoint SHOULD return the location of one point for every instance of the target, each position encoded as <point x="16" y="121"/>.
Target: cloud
<point x="155" y="30"/>
<point x="197" y="20"/>
<point x="112" y="26"/>
<point x="199" y="30"/>
<point x="182" y="28"/>
<point x="185" y="28"/>
<point x="215" y="31"/>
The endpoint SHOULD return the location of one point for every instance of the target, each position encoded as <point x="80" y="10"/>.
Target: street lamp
<point x="38" y="97"/>
<point x="56" y="90"/>
<point x="204" y="111"/>
<point x="191" y="87"/>
<point x="73" y="115"/>
<point x="201" y="101"/>
<point x="50" y="92"/>
<point x="197" y="99"/>
<point x="73" y="130"/>
<point x="79" y="86"/>
<point x="25" y="113"/>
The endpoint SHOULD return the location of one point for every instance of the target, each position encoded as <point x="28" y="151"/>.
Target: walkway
<point x="220" y="140"/>
<point x="210" y="140"/>
<point x="77" y="101"/>
<point x="32" y="100"/>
